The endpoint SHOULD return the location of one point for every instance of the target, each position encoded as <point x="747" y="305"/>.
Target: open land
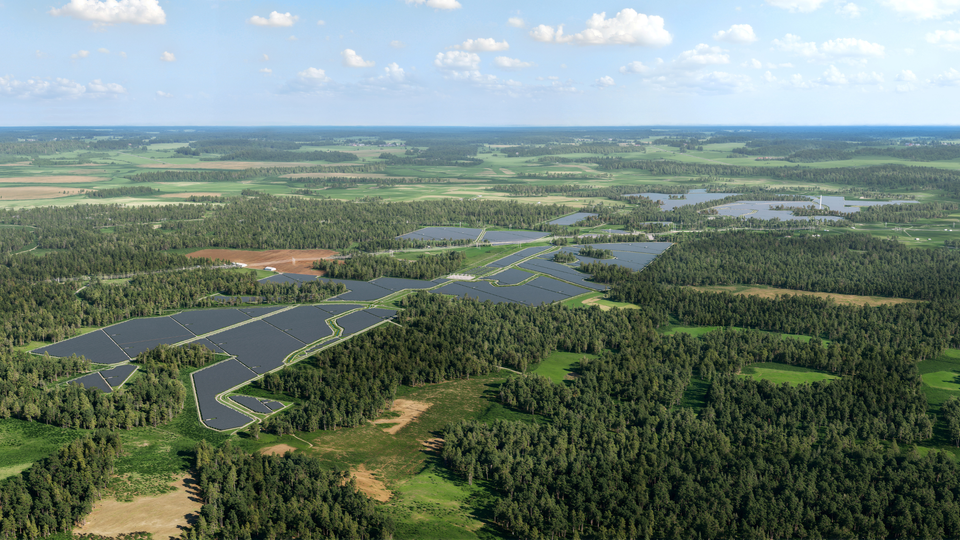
<point x="295" y="261"/>
<point x="773" y="292"/>
<point x="164" y="516"/>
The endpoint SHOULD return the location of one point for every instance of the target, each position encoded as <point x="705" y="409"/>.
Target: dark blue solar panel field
<point x="428" y="234"/>
<point x="511" y="276"/>
<point x="214" y="380"/>
<point x="572" y="219"/>
<point x="95" y="346"/>
<point x="507" y="237"/>
<point x="306" y="323"/>
<point x="206" y="321"/>
<point x="251" y="403"/>
<point x="518" y="256"/>
<point x="93" y="380"/>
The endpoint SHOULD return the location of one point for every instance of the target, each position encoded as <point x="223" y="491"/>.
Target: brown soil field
<point x="185" y="195"/>
<point x="232" y="165"/>
<point x="281" y="259"/>
<point x="164" y="515"/>
<point x="35" y="192"/>
<point x="17" y="164"/>
<point x="277" y="450"/>
<point x="506" y="171"/>
<point x="592" y="301"/>
<point x="369" y="485"/>
<point x="341" y="175"/>
<point x="770" y="292"/>
<point x="409" y="411"/>
<point x="433" y="446"/>
<point x="51" y="179"/>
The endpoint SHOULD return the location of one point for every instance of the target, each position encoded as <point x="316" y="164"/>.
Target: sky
<point x="479" y="62"/>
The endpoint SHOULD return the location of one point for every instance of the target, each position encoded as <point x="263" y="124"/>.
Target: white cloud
<point x="738" y="33"/>
<point x="307" y="81"/>
<point x="796" y="81"/>
<point x="113" y="11"/>
<point x="769" y="77"/>
<point x="162" y="94"/>
<point x="906" y="76"/>
<point x="482" y="45"/>
<point x="866" y="78"/>
<point x="833" y="77"/>
<point x="634" y="67"/>
<point x="457" y="60"/>
<point x="511" y="64"/>
<point x="516" y="22"/>
<point x="41" y="88"/>
<point x="924" y="9"/>
<point x="394" y="73"/>
<point x="397" y="44"/>
<point x="321" y="22"/>
<point x="123" y="54"/>
<point x="80" y="54"/>
<point x="40" y="54"/>
<point x="943" y="36"/>
<point x="168" y="57"/>
<point x="604" y="82"/>
<point x="292" y="38"/>
<point x="99" y="87"/>
<point x="275" y="19"/>
<point x="265" y="58"/>
<point x="951" y="77"/>
<point x="703" y="55"/>
<point x="103" y="50"/>
<point x="354" y="60"/>
<point x="849" y="9"/>
<point x="844" y="49"/>
<point x="794" y="6"/>
<point x="266" y="71"/>
<point x="437" y="4"/>
<point x="627" y="28"/>
<point x="753" y="63"/>
<point x="714" y="82"/>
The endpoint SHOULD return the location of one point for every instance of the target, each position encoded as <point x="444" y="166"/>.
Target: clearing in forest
<point x="277" y="450"/>
<point x="191" y="194"/>
<point x="164" y="516"/>
<point x="294" y="261"/>
<point x="65" y="179"/>
<point x="409" y="411"/>
<point x="228" y="165"/>
<point x="35" y="192"/>
<point x="369" y="484"/>
<point x="784" y="373"/>
<point x="770" y="292"/>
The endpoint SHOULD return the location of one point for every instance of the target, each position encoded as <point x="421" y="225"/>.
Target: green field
<point x="22" y="443"/>
<point x="559" y="366"/>
<point x="784" y="373"/>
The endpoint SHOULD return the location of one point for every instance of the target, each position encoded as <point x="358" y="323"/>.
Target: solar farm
<point x="263" y="338"/>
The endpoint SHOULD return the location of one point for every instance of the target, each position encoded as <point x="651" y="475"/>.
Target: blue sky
<point x="479" y="62"/>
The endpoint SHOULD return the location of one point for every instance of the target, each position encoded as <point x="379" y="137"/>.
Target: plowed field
<point x="281" y="259"/>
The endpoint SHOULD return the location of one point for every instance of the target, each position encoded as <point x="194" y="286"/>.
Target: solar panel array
<point x="93" y="380"/>
<point x="306" y="323"/>
<point x="118" y="375"/>
<point x="539" y="291"/>
<point x="215" y="380"/>
<point x="259" y="345"/>
<point x="511" y="276"/>
<point x="361" y="291"/>
<point x="206" y="321"/>
<point x="504" y="237"/>
<point x="428" y="234"/>
<point x="95" y="346"/>
<point x="518" y="256"/>
<point x="572" y="219"/>
<point x="251" y="403"/>
<point x="560" y="271"/>
<point x="632" y="255"/>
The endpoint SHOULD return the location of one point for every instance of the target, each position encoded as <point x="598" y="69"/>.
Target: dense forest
<point x="368" y="267"/>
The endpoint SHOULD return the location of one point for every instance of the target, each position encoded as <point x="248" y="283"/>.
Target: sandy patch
<point x="595" y="302"/>
<point x="52" y="179"/>
<point x="409" y="411"/>
<point x="294" y="261"/>
<point x="433" y="446"/>
<point x="185" y="195"/>
<point x="506" y="171"/>
<point x="35" y="192"/>
<point x="277" y="450"/>
<point x="765" y="292"/>
<point x="165" y="516"/>
<point x="369" y="485"/>
<point x="231" y="165"/>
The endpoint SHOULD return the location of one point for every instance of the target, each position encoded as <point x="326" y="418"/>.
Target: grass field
<point x="764" y="291"/>
<point x="559" y="365"/>
<point x="22" y="443"/>
<point x="784" y="373"/>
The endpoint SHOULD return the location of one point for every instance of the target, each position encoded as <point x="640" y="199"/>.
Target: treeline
<point x="125" y="191"/>
<point x="595" y="253"/>
<point x="152" y="398"/>
<point x="177" y="358"/>
<point x="234" y="176"/>
<point x="368" y="267"/>
<point x="789" y="147"/>
<point x="534" y="151"/>
<point x="912" y="153"/>
<point x="56" y="493"/>
<point x="265" y="154"/>
<point x="46" y="148"/>
<point x="438" y="339"/>
<point x="846" y="264"/>
<point x="890" y="213"/>
<point x="292" y="496"/>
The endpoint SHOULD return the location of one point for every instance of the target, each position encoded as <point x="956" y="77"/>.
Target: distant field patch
<point x="191" y="194"/>
<point x="771" y="292"/>
<point x="164" y="516"/>
<point x="35" y="192"/>
<point x="784" y="373"/>
<point x="230" y="165"/>
<point x="294" y="261"/>
<point x="343" y="175"/>
<point x="607" y="305"/>
<point x="65" y="179"/>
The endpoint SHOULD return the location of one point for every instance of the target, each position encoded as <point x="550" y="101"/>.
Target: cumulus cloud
<point x="604" y="82"/>
<point x="511" y="64"/>
<point x="627" y="28"/>
<point x="123" y="54"/>
<point x="454" y="60"/>
<point x="162" y="94"/>
<point x="849" y="9"/>
<point x="437" y="4"/>
<point x="103" y="50"/>
<point x="394" y="72"/>
<point x="265" y="58"/>
<point x="753" y="63"/>
<point x="99" y="87"/>
<point x="906" y="76"/>
<point x="951" y="77"/>
<point x="516" y="22"/>
<point x="352" y="59"/>
<point x="397" y="44"/>
<point x="168" y="57"/>
<point x="634" y="67"/>
<point x="866" y="78"/>
<point x="41" y="88"/>
<point x="307" y="81"/>
<point x="482" y="45"/>
<point x="769" y="77"/>
<point x="848" y="49"/>
<point x="943" y="37"/>
<point x="275" y="19"/>
<point x="797" y="6"/>
<point x="80" y="54"/>
<point x="266" y="71"/>
<point x="924" y="9"/>
<point x="703" y="55"/>
<point x="738" y="33"/>
<point x="713" y="82"/>
<point x="113" y="11"/>
<point x="321" y="22"/>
